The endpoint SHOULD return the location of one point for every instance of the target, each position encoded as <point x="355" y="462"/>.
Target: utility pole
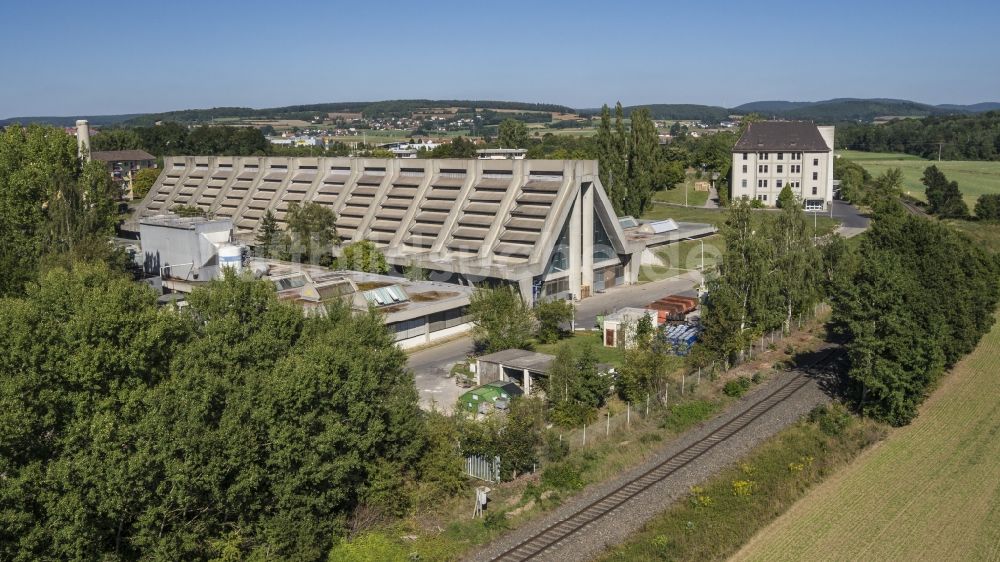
<point x="940" y="146"/>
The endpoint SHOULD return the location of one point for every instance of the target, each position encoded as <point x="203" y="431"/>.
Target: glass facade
<point x="603" y="250"/>
<point x="560" y="254"/>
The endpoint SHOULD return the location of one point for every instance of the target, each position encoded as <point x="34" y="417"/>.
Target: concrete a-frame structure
<point x="546" y="225"/>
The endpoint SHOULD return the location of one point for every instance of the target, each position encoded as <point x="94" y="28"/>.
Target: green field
<point x="823" y="223"/>
<point x="676" y="195"/>
<point x="974" y="178"/>
<point x="931" y="491"/>
<point x="681" y="257"/>
<point x="578" y="341"/>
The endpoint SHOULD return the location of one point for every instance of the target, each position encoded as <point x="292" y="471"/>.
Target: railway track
<point x="552" y="535"/>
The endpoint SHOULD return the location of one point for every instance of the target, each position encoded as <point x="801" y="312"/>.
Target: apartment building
<point x="774" y="154"/>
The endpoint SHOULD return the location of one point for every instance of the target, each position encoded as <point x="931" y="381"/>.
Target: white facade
<point x="762" y="174"/>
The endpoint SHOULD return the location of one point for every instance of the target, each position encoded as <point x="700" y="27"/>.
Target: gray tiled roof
<point x="772" y="136"/>
<point x="121" y="155"/>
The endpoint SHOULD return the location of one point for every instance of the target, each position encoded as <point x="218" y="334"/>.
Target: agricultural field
<point x="930" y="491"/>
<point x="974" y="178"/>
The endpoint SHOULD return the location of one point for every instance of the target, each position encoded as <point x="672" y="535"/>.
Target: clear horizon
<point x="113" y="57"/>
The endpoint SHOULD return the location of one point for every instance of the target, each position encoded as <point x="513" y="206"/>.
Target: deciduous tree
<point x="501" y="319"/>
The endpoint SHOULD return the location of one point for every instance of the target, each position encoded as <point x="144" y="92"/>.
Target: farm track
<point x="593" y="511"/>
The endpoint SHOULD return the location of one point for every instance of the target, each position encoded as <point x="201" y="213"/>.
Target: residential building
<point x="124" y="164"/>
<point x="774" y="154"/>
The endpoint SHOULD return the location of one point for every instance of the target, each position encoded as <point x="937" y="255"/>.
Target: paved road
<point x="633" y="295"/>
<point x="713" y="199"/>
<point x="849" y="215"/>
<point x="430" y="372"/>
<point x="431" y="366"/>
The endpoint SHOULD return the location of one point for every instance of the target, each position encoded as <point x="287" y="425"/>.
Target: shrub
<point x="757" y="377"/>
<point x="495" y="520"/>
<point x="555" y="449"/>
<point x="369" y="547"/>
<point x="685" y="414"/>
<point x="832" y="420"/>
<point x="736" y="388"/>
<point x="743" y="488"/>
<point x="648" y="438"/>
<point x="563" y="476"/>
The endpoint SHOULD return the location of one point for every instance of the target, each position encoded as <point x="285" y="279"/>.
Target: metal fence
<point x="483" y="468"/>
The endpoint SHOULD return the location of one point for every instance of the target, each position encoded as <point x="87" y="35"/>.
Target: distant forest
<point x="958" y="137"/>
<point x="390" y="108"/>
<point x="826" y="111"/>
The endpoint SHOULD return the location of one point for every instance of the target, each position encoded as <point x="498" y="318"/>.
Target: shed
<point x="614" y="325"/>
<point x="516" y="365"/>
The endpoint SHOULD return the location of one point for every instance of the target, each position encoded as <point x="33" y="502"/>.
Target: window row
<point x="780" y="169"/>
<point x="779" y="156"/>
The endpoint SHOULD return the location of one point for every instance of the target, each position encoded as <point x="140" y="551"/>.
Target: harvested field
<point x="930" y="491"/>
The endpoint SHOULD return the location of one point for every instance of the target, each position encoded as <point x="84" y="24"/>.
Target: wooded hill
<point x="827" y="111"/>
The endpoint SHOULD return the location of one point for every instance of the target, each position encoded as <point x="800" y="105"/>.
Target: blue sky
<point x="101" y="57"/>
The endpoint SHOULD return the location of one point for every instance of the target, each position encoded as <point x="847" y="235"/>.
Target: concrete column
<point x="587" y="280"/>
<point x="632" y="269"/>
<point x="83" y="139"/>
<point x="527" y="382"/>
<point x="524" y="285"/>
<point x="575" y="245"/>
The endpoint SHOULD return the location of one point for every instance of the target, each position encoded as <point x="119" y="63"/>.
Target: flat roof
<point x="521" y="359"/>
<point x="424" y="297"/>
<point x="187" y="223"/>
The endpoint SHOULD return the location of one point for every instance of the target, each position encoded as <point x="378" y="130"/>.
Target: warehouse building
<point x="545" y="225"/>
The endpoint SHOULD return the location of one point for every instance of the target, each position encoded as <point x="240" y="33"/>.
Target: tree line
<point x="769" y="274"/>
<point x="632" y="165"/>
<point x="909" y="301"/>
<point x="952" y="137"/>
<point x="234" y="425"/>
<point x="53" y="205"/>
<point x="912" y="299"/>
<point x="173" y="139"/>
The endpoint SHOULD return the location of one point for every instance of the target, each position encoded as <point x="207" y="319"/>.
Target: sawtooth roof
<point x="492" y="218"/>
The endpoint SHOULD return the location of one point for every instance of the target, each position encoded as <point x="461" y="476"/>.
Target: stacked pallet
<point x="674" y="307"/>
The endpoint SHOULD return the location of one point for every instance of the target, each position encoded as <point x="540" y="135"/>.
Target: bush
<point x="988" y="207"/>
<point x="555" y="449"/>
<point x="736" y="388"/>
<point x="832" y="420"/>
<point x="757" y="377"/>
<point x="495" y="520"/>
<point x="684" y="415"/>
<point x="563" y="476"/>
<point x="551" y="315"/>
<point x="648" y="438"/>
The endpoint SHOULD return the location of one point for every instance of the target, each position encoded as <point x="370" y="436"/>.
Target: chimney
<point x="83" y="139"/>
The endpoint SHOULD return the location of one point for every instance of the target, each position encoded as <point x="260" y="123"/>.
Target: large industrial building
<point x="546" y="225"/>
<point x="772" y="155"/>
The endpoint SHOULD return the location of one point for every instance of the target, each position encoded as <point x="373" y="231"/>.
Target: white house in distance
<point x="773" y="154"/>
